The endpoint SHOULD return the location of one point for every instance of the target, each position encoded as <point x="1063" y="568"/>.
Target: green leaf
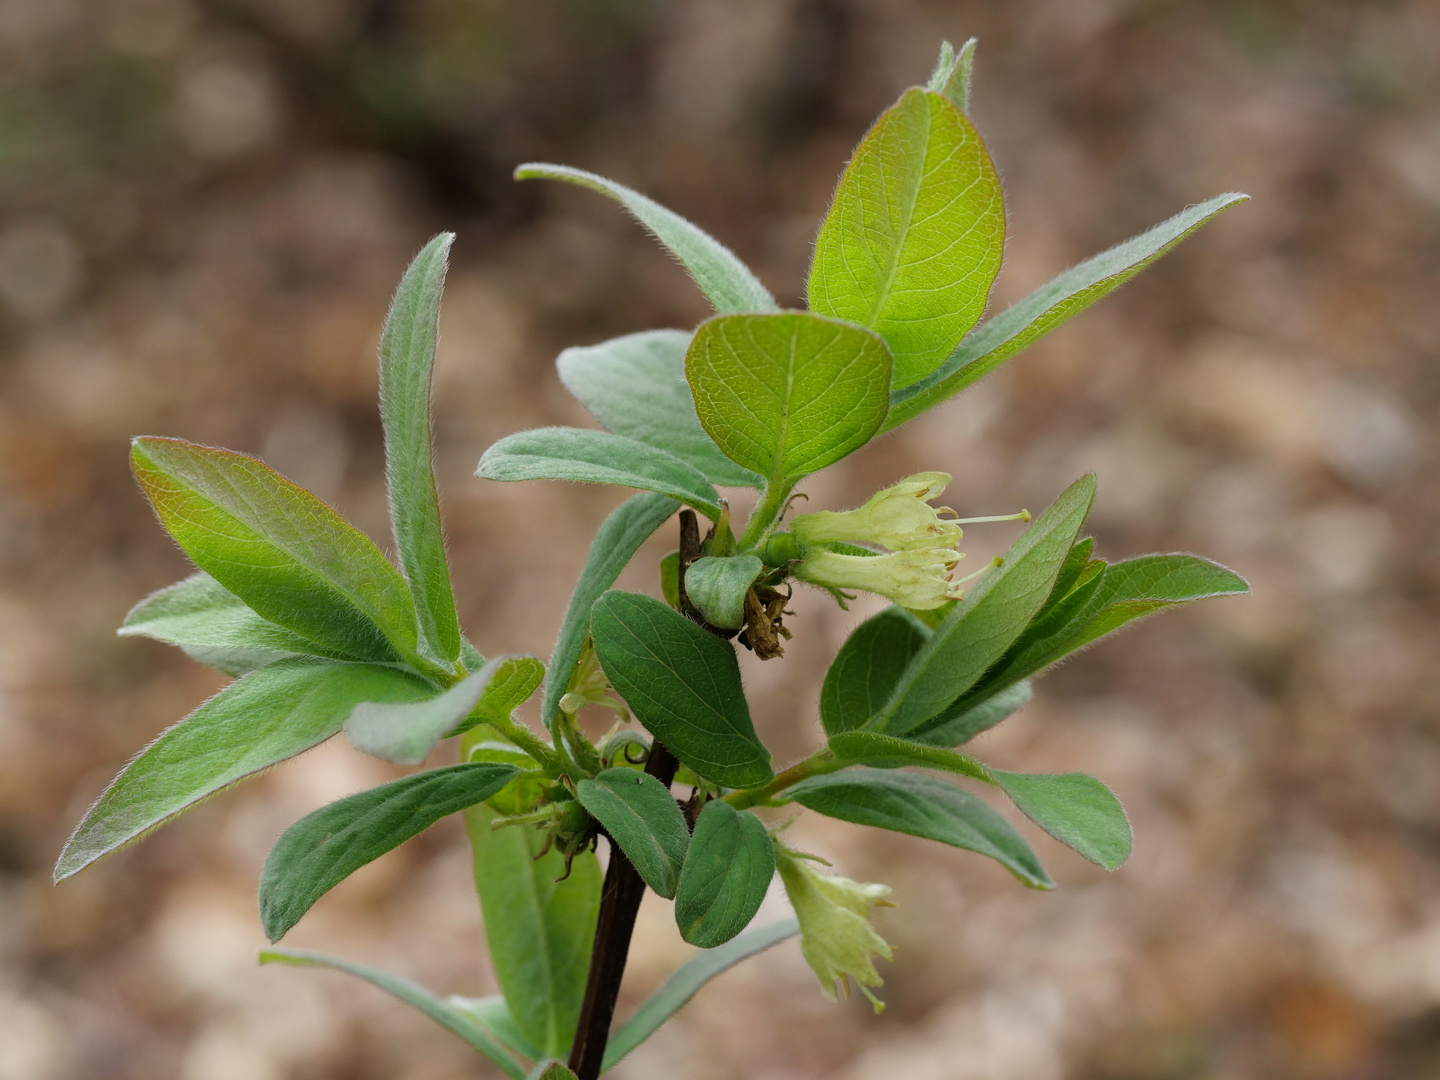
<point x="216" y="627"/>
<point x="551" y="1070"/>
<point x="1076" y="564"/>
<point x="727" y="874"/>
<point x="254" y="723"/>
<point x="683" y="684"/>
<point x="717" y="587"/>
<point x="470" y="656"/>
<point x="914" y="236"/>
<point x="281" y="550"/>
<point x="970" y="720"/>
<point x="1118" y="594"/>
<point x="514" y="680"/>
<point x="406" y="733"/>
<point x="951" y="78"/>
<point x="1075" y="809"/>
<point x="493" y="1014"/>
<point x="865" y="670"/>
<point x="506" y="753"/>
<point x="886" y="751"/>
<point x="1136" y="587"/>
<point x="687" y="981"/>
<point x="640" y="815"/>
<point x="629" y="526"/>
<point x="597" y="457"/>
<point x="407" y="360"/>
<point x="447" y="1016"/>
<point x="670" y="579"/>
<point x="635" y="386"/>
<point x="322" y="849"/>
<point x="1025" y="322"/>
<point x="786" y="395"/>
<point x="726" y="281"/>
<point x="979" y="630"/>
<point x="539" y="930"/>
<point x="921" y="806"/>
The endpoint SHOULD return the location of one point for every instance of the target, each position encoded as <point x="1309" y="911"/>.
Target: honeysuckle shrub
<point x="323" y="634"/>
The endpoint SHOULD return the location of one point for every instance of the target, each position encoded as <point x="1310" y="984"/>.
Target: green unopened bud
<point x="779" y="549"/>
<point x="898" y="517"/>
<point x="918" y="580"/>
<point x="836" y="937"/>
<point x="589" y="686"/>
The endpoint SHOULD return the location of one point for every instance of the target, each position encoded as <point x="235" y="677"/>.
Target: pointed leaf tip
<point x="1076" y="809"/>
<point x="726" y="281"/>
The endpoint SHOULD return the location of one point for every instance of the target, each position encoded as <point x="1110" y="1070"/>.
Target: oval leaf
<point x="322" y="849"/>
<point x="1075" y="809"/>
<point x="254" y="723"/>
<point x="914" y="237"/>
<point x="640" y="815"/>
<point x="407" y="361"/>
<point x="726" y="281"/>
<point x="717" y="587"/>
<point x="726" y="875"/>
<point x="786" y="395"/>
<point x="683" y="684"/>
<point x="865" y="670"/>
<point x="635" y="386"/>
<point x="597" y="457"/>
<point x="292" y="558"/>
<point x="921" y="806"/>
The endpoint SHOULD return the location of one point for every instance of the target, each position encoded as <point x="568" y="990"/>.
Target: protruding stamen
<point x="1023" y="515"/>
<point x="955" y="592"/>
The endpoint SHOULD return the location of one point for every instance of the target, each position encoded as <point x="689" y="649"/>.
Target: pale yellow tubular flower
<point x="898" y="517"/>
<point x="918" y="579"/>
<point x="836" y="937"/>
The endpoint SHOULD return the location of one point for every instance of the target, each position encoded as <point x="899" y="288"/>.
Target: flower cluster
<point x="836" y="937"/>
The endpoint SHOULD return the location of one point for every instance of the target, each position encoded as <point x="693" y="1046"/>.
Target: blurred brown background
<point x="204" y="205"/>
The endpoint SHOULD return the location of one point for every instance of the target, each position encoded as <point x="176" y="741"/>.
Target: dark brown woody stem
<point x="621" y="894"/>
<point x="619" y="905"/>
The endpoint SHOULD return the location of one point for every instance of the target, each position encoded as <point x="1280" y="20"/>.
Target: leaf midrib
<point x="892" y="272"/>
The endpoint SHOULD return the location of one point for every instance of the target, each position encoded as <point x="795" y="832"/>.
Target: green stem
<point x="763" y="519"/>
<point x="526" y="740"/>
<point x="817" y="764"/>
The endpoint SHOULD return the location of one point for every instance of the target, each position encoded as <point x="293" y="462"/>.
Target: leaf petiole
<point x="817" y="764"/>
<point x="765" y="516"/>
<point x="522" y="737"/>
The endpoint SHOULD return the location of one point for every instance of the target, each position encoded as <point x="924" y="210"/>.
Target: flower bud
<point x="589" y="686"/>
